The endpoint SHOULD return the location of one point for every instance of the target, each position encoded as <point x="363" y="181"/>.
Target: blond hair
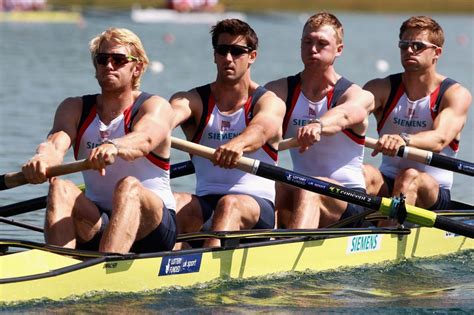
<point x="125" y="37"/>
<point x="324" y="18"/>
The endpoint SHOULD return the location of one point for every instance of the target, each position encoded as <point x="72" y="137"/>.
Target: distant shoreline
<point x="375" y="6"/>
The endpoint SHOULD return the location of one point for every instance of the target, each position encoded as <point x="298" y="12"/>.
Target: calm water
<point x="43" y="64"/>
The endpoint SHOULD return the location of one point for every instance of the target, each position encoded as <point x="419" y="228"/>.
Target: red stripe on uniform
<point x="399" y="94"/>
<point x="163" y="164"/>
<point x="270" y="151"/>
<point x="433" y="97"/>
<point x="82" y="129"/>
<point x="454" y="145"/>
<point x="294" y="99"/>
<point x="210" y="106"/>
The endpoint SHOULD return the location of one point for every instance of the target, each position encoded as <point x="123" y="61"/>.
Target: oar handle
<point x="286" y="144"/>
<point x="411" y="153"/>
<point x="15" y="179"/>
<point x="430" y="158"/>
<point x="245" y="164"/>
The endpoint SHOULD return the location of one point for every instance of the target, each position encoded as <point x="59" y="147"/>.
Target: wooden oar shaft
<point x="15" y="179"/>
<point x="177" y="170"/>
<point x="245" y="164"/>
<point x="414" y="214"/>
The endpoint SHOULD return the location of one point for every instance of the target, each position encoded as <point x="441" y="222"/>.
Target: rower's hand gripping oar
<point x="430" y="158"/>
<point x="411" y="153"/>
<point x="11" y="180"/>
<point x="387" y="206"/>
<point x="176" y="170"/>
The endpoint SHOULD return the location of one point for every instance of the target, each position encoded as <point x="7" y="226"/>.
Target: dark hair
<point x="235" y="27"/>
<point x="424" y="23"/>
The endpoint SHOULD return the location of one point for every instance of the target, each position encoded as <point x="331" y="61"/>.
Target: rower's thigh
<point x="240" y="207"/>
<point x="65" y="196"/>
<point x="189" y="216"/>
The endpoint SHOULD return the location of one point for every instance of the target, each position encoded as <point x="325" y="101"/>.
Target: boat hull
<point x="135" y="273"/>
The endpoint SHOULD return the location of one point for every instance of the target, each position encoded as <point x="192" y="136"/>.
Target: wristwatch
<point x="316" y="120"/>
<point x="112" y="142"/>
<point x="406" y="137"/>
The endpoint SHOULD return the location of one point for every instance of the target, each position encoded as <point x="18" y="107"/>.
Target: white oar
<point x="387" y="206"/>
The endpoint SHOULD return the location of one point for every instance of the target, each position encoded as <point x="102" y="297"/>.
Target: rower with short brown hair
<point x="418" y="108"/>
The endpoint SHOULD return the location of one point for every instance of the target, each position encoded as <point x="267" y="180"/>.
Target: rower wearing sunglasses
<point x="417" y="108"/>
<point x="124" y="134"/>
<point x="328" y="115"/>
<point x="237" y="117"/>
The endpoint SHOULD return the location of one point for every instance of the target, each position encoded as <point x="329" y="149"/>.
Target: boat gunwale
<point x="109" y="257"/>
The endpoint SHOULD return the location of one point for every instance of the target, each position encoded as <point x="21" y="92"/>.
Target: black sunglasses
<point x="235" y="50"/>
<point x="118" y="60"/>
<point x="415" y="45"/>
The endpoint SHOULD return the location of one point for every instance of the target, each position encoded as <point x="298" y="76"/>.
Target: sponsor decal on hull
<point x="174" y="265"/>
<point x="364" y="243"/>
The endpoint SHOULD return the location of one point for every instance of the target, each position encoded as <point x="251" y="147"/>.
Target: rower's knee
<point x="127" y="198"/>
<point x="61" y="197"/>
<point x="128" y="188"/>
<point x="227" y="204"/>
<point x="408" y="179"/>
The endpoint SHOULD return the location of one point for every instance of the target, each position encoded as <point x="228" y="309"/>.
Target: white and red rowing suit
<point x="152" y="170"/>
<point x="404" y="115"/>
<point x="339" y="156"/>
<point x="216" y="129"/>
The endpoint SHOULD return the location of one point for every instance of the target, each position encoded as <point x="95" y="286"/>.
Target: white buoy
<point x="382" y="65"/>
<point x="156" y="67"/>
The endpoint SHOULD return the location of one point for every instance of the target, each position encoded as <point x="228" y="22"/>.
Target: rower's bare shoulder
<point x="378" y="85"/>
<point x="279" y="87"/>
<point x="457" y="96"/>
<point x="187" y="107"/>
<point x="273" y="102"/>
<point x="71" y="106"/>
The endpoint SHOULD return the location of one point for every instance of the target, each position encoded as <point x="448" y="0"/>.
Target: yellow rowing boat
<point x="35" y="271"/>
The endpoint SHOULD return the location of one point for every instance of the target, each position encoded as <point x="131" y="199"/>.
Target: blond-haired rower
<point x="125" y="134"/>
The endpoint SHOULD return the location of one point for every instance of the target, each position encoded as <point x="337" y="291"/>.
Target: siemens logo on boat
<point x="222" y="136"/>
<point x="364" y="243"/>
<point x="180" y="264"/>
<point x="409" y="123"/>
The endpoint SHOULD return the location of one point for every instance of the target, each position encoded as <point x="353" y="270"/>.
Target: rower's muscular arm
<point x="266" y="123"/>
<point x="353" y="109"/>
<point x="264" y="127"/>
<point x="52" y="151"/>
<point x="187" y="108"/>
<point x="449" y="122"/>
<point x="380" y="89"/>
<point x="351" y="112"/>
<point x="151" y="129"/>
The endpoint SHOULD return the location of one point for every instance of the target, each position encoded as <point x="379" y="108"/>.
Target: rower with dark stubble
<point x="237" y="117"/>
<point x="125" y="136"/>
<point x="327" y="114"/>
<point x="419" y="108"/>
